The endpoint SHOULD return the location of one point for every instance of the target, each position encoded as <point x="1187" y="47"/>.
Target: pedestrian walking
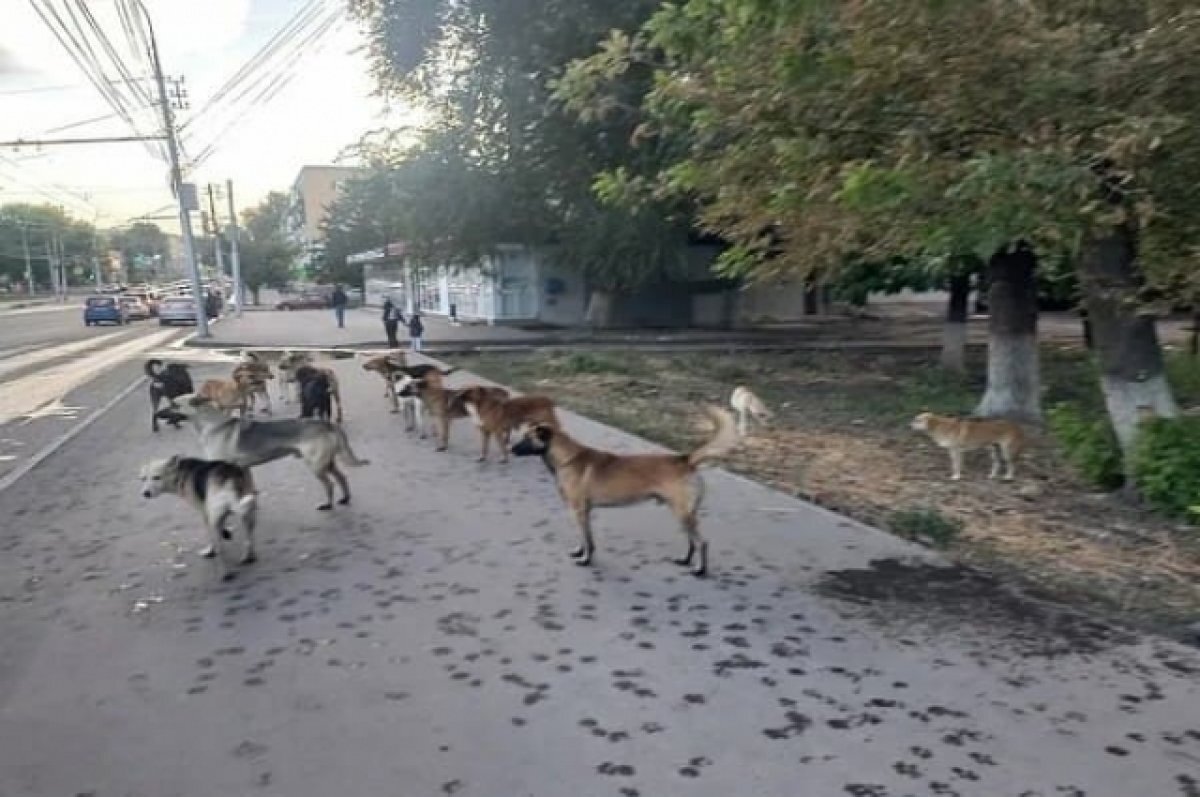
<point x="415" y="330"/>
<point x="338" y="300"/>
<point x="392" y="318"/>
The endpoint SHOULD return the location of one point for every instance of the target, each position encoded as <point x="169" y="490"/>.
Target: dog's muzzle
<point x="147" y="494"/>
<point x="525" y="448"/>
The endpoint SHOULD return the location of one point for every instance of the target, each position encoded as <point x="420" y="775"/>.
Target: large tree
<point x="266" y="256"/>
<point x="504" y="162"/>
<point x="1020" y="132"/>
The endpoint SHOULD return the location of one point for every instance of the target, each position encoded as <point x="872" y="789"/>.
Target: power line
<point x="274" y="84"/>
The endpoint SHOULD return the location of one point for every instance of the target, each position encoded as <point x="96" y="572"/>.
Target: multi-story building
<point x="314" y="190"/>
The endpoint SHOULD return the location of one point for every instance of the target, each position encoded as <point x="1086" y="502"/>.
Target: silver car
<point x="177" y="310"/>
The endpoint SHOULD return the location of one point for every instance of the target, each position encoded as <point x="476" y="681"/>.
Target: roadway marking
<point x="40" y="355"/>
<point x="27" y="394"/>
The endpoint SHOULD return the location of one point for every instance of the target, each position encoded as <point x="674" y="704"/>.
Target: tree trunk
<point x="811" y="298"/>
<point x="1132" y="374"/>
<point x="1013" y="384"/>
<point x="1194" y="337"/>
<point x="954" y="333"/>
<point x="599" y="310"/>
<point x="254" y="291"/>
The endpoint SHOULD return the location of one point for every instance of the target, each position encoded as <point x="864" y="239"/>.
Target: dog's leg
<point x="743" y="422"/>
<point x="1010" y="462"/>
<point x="583" y="516"/>
<point x="484" y="438"/>
<point x="443" y="431"/>
<point x="994" y="450"/>
<point x="956" y="458"/>
<point x="327" y="483"/>
<point x="342" y="482"/>
<point x="214" y="520"/>
<point x="336" y="395"/>
<point x="154" y="399"/>
<point x="503" y="439"/>
<point x="390" y="393"/>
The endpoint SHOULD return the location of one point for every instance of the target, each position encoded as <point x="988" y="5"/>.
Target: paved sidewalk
<point x="434" y="639"/>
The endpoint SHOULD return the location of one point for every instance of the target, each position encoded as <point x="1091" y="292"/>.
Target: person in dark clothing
<point x="415" y="330"/>
<point x="392" y="318"/>
<point x="338" y="300"/>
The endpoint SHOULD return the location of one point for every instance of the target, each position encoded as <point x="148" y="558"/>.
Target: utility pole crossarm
<point x="53" y="142"/>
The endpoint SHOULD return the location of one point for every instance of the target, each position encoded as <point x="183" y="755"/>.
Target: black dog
<point x="315" y="399"/>
<point x="168" y="383"/>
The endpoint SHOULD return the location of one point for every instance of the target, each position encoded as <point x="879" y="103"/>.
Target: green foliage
<point x="1166" y="465"/>
<point x="1089" y="444"/>
<point x="1183" y="372"/>
<point x="22" y="223"/>
<point x="925" y="525"/>
<point x="266" y="255"/>
<point x="503" y="161"/>
<point x="140" y="244"/>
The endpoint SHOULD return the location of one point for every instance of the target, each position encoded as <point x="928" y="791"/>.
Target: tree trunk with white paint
<point x="954" y="332"/>
<point x="599" y="310"/>
<point x="1013" y="381"/>
<point x="1132" y="374"/>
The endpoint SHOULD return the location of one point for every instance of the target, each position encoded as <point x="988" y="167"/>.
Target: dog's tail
<point x="723" y="440"/>
<point x="152" y="367"/>
<point x="346" y="452"/>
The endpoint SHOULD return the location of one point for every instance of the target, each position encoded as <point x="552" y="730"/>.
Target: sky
<point x="326" y="107"/>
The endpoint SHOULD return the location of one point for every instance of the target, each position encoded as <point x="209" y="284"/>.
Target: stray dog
<point x="220" y="491"/>
<point x="315" y="393"/>
<point x="412" y="406"/>
<point x="226" y="394"/>
<point x="1003" y="438"/>
<point x="389" y="366"/>
<point x="253" y="443"/>
<point x="255" y="376"/>
<point x="497" y="416"/>
<point x="588" y="477"/>
<point x="748" y="405"/>
<point x="166" y="382"/>
<point x="291" y="361"/>
<point x="443" y="404"/>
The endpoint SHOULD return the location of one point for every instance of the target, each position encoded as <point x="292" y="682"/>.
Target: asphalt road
<point x="55" y="372"/>
<point x="434" y="639"/>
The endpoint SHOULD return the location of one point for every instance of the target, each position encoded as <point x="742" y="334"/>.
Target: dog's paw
<point x="225" y="535"/>
<point x="250" y="558"/>
<point x="325" y="507"/>
<point x="699" y="572"/>
<point x="344" y="501"/>
<point x="228" y="575"/>
<point x="208" y="551"/>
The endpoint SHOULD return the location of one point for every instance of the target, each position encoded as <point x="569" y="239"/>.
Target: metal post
<point x="216" y="223"/>
<point x="239" y="291"/>
<point x="185" y="221"/>
<point x="28" y="261"/>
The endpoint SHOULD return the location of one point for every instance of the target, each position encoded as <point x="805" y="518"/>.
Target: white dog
<point x="220" y="491"/>
<point x="746" y="404"/>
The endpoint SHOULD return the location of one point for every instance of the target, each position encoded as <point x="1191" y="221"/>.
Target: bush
<point x="1089" y="444"/>
<point x="928" y="526"/>
<point x="1166" y="465"/>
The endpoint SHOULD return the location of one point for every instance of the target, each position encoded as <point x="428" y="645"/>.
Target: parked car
<point x="177" y="310"/>
<point x="135" y="308"/>
<point x="104" y="310"/>
<point x="305" y="300"/>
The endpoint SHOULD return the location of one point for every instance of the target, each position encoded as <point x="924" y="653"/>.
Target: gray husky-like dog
<point x="252" y="443"/>
<point x="219" y="491"/>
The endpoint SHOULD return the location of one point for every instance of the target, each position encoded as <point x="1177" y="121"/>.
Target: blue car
<point x="104" y="310"/>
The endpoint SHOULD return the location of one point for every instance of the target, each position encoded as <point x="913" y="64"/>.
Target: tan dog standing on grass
<point x="748" y="405"/>
<point x="498" y="416"/>
<point x="588" y="477"/>
<point x="1003" y="438"/>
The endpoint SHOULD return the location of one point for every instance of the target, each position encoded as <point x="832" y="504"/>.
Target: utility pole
<point x="216" y="228"/>
<point x="185" y="221"/>
<point x="28" y="261"/>
<point x="239" y="292"/>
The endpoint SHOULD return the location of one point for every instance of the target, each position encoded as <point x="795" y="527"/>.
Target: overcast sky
<point x="325" y="108"/>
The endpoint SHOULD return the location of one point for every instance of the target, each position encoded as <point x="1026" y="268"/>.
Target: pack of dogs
<point x="221" y="488"/>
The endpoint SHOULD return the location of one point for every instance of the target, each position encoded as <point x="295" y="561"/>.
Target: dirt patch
<point x="840" y="438"/>
<point x="962" y="600"/>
